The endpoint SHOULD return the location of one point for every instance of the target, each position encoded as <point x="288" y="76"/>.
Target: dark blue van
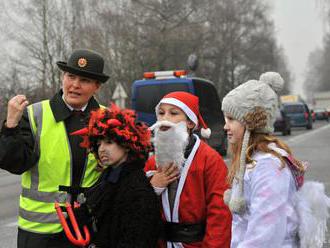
<point x="146" y="93"/>
<point x="299" y="113"/>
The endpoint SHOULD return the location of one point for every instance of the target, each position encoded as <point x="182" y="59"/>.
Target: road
<point x="311" y="145"/>
<point x="9" y="192"/>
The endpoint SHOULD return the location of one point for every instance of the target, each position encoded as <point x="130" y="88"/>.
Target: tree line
<point x="318" y="74"/>
<point x="233" y="39"/>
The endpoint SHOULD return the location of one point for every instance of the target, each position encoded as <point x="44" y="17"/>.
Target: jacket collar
<point x="113" y="175"/>
<point x="61" y="111"/>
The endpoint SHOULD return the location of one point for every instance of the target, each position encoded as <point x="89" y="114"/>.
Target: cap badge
<point x="82" y="62"/>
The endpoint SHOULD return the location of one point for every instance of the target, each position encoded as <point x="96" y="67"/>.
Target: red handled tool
<point x="79" y="240"/>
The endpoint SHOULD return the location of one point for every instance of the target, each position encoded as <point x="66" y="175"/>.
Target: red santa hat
<point x="189" y="104"/>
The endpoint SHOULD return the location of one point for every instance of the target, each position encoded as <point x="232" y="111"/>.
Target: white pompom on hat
<point x="189" y="104"/>
<point x="273" y="79"/>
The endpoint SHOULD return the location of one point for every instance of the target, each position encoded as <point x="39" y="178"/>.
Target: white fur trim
<point x="174" y="217"/>
<point x="206" y="132"/>
<point x="150" y="173"/>
<point x="227" y="196"/>
<point x="191" y="115"/>
<point x="165" y="202"/>
<point x="182" y="180"/>
<point x="166" y="205"/>
<point x="158" y="190"/>
<point x="175" y="245"/>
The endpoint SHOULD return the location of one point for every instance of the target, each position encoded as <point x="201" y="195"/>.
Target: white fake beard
<point x="170" y="145"/>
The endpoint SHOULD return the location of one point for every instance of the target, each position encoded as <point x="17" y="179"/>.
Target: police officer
<point x="39" y="146"/>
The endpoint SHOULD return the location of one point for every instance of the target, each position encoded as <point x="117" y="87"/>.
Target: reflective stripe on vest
<point x="38" y="217"/>
<point x="54" y="168"/>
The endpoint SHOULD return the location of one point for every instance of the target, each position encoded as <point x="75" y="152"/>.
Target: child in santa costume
<point x="271" y="204"/>
<point x="189" y="176"/>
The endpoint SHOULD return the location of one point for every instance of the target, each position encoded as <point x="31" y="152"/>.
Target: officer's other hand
<point x="16" y="106"/>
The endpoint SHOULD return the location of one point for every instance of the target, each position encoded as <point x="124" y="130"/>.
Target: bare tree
<point x="318" y="74"/>
<point x="234" y="39"/>
<point x="240" y="42"/>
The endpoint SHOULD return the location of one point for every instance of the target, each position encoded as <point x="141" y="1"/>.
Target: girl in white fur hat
<point x="268" y="200"/>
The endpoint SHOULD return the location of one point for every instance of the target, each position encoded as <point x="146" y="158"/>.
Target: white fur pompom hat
<point x="254" y="104"/>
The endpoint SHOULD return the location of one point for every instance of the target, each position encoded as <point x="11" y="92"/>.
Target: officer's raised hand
<point x="16" y="106"/>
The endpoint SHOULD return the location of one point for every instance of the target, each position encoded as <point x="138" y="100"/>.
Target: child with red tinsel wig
<point x="122" y="208"/>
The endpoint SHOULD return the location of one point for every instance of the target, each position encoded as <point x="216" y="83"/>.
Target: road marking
<point x="300" y="137"/>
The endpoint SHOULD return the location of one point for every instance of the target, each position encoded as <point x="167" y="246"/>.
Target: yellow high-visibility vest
<point x="40" y="183"/>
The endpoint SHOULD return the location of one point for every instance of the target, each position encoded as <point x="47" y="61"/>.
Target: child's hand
<point x="164" y="176"/>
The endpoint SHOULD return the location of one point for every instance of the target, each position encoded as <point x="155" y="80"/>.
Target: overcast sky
<point x="299" y="30"/>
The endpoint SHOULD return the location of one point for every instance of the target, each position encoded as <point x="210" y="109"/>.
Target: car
<point x="147" y="92"/>
<point x="282" y="123"/>
<point x="299" y="113"/>
<point x="321" y="114"/>
<point x="313" y="115"/>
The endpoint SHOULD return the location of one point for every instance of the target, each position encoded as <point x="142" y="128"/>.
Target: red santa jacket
<point x="200" y="197"/>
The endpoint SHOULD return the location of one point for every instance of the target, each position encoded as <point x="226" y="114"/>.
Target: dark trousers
<point x="27" y="239"/>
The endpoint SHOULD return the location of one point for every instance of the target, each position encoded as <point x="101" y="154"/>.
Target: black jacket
<point x="125" y="207"/>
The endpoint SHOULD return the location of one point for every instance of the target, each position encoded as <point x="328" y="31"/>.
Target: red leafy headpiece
<point x="118" y="125"/>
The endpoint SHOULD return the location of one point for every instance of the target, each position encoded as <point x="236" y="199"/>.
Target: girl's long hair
<point x="258" y="142"/>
